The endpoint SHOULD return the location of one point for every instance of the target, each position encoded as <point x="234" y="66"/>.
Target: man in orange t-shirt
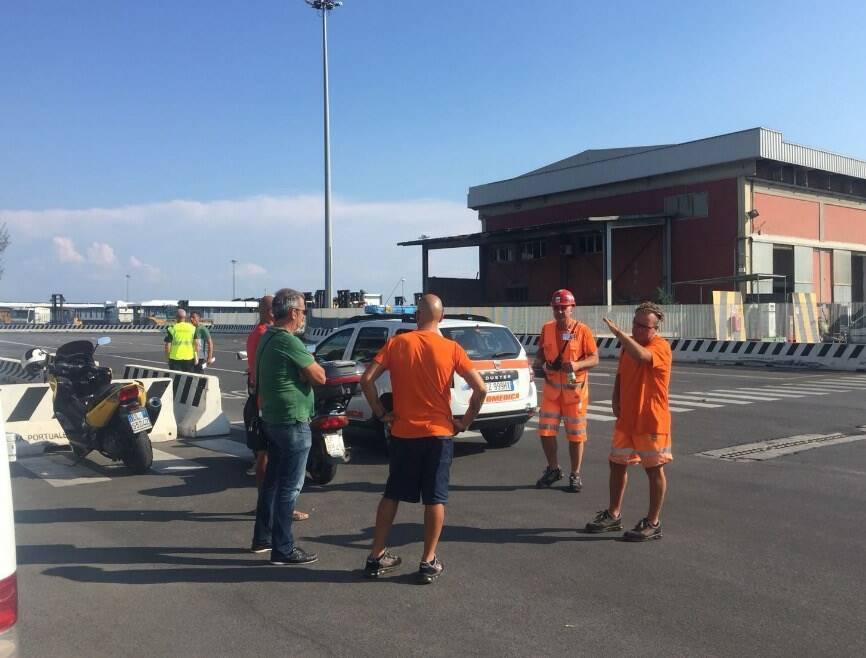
<point x="642" y="434"/>
<point x="422" y="364"/>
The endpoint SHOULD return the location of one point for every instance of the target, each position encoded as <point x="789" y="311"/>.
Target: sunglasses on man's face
<point x="635" y="323"/>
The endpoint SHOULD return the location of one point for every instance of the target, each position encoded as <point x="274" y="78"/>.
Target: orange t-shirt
<point x="643" y="391"/>
<point x="422" y="364"/>
<point x="580" y="345"/>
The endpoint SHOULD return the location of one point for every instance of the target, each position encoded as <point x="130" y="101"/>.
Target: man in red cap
<point x="566" y="351"/>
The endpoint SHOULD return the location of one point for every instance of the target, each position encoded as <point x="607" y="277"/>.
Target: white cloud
<point x="149" y="272"/>
<point x="185" y="248"/>
<point x="101" y="255"/>
<point x="65" y="250"/>
<point x="251" y="269"/>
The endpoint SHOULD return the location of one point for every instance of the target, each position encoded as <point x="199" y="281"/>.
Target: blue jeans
<point x="288" y="447"/>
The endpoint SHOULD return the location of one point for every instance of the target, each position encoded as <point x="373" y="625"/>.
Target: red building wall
<point x="784" y="216"/>
<point x="843" y="224"/>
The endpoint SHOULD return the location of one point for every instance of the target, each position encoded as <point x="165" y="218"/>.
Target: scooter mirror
<point x="103" y="340"/>
<point x="242" y="355"/>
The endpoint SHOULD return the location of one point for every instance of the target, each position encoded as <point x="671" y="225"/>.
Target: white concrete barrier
<point x="30" y="413"/>
<point x="197" y="400"/>
<point x="12" y="372"/>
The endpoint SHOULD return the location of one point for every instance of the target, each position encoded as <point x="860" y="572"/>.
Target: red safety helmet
<point x="562" y="297"/>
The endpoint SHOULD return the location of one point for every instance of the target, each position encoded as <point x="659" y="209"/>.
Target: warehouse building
<point x="745" y="211"/>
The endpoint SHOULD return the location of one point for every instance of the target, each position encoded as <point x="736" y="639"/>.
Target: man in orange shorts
<point x="642" y="434"/>
<point x="566" y="351"/>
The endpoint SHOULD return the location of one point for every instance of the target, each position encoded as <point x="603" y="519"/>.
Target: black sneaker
<point x="575" y="484"/>
<point x="430" y="571"/>
<point x="547" y="478"/>
<point x="644" y="531"/>
<point x="386" y="562"/>
<point x="260" y="548"/>
<point x="297" y="556"/>
<point x="604" y="522"/>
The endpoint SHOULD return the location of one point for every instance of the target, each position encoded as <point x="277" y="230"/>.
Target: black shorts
<point x="256" y="440"/>
<point x="420" y="469"/>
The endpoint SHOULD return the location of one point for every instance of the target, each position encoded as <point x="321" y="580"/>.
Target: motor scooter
<point x="328" y="450"/>
<point x="115" y="419"/>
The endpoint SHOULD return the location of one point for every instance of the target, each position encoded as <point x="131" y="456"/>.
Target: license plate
<point x="334" y="446"/>
<point x="139" y="421"/>
<point x="498" y="387"/>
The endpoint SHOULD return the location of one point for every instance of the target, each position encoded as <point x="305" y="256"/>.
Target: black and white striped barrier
<point x="29" y="412"/>
<point x="197" y="400"/>
<point x="829" y="356"/>
<point x="12" y="372"/>
<point x="61" y="328"/>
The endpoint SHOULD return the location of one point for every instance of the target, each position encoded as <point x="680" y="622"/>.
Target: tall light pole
<point x="325" y="6"/>
<point x="128" y="277"/>
<point x="234" y="262"/>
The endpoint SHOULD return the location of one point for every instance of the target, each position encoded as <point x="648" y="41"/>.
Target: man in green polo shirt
<point x="203" y="343"/>
<point x="285" y="374"/>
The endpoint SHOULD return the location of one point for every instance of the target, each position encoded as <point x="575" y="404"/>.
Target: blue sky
<point x="163" y="139"/>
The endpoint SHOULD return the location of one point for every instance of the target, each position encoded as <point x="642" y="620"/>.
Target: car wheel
<point x="503" y="437"/>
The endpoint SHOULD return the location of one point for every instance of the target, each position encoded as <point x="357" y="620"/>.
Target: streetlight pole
<point x="127" y="287"/>
<point x="325" y="6"/>
<point x="234" y="262"/>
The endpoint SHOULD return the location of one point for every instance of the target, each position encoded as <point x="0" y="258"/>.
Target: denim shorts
<point x="420" y="469"/>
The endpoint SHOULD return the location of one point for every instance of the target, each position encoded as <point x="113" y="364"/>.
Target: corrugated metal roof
<point x="601" y="167"/>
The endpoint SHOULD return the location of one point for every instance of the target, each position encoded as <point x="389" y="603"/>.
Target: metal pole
<point x="327" y="120"/>
<point x="127" y="287"/>
<point x="234" y="262"/>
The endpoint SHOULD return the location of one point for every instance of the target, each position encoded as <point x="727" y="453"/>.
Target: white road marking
<point x="707" y="397"/>
<point x="764" y="450"/>
<point x="729" y="393"/>
<point x="165" y="462"/>
<point x="686" y="401"/>
<point x="775" y="391"/>
<point x="225" y="447"/>
<point x="59" y="470"/>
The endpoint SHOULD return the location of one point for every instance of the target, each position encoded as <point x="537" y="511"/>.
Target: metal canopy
<point x="585" y="224"/>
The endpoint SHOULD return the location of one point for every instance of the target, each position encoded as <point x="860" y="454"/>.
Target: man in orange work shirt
<point x="422" y="364"/>
<point x="642" y="434"/>
<point x="566" y="351"/>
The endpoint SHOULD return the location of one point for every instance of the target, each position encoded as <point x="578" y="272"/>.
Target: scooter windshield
<point x="78" y="351"/>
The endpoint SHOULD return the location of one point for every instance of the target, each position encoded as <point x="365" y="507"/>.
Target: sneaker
<point x="430" y="571"/>
<point x="297" y="556"/>
<point x="547" y="478"/>
<point x="604" y="522"/>
<point x="251" y="470"/>
<point x="260" y="548"/>
<point x="644" y="531"/>
<point x="386" y="562"/>
<point x="575" y="484"/>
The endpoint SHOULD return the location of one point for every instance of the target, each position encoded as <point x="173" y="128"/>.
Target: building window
<point x="683" y="206"/>
<point x="588" y="244"/>
<point x="533" y="250"/>
<point x="501" y="254"/>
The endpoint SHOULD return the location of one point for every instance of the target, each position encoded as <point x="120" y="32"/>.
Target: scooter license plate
<point x="335" y="447"/>
<point x="139" y="421"/>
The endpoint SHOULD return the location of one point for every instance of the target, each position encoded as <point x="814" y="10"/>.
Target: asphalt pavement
<point x="761" y="557"/>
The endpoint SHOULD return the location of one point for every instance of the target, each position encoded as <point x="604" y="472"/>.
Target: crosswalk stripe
<point x="727" y="393"/>
<point x="782" y="393"/>
<point x="808" y="389"/>
<point x="834" y="387"/>
<point x="688" y="403"/>
<point x="707" y="397"/>
<point x="600" y="407"/>
<point x="600" y="417"/>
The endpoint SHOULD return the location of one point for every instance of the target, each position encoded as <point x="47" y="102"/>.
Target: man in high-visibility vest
<point x="566" y="351"/>
<point x="179" y="348"/>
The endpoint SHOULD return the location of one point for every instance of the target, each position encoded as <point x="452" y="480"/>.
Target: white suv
<point x="8" y="564"/>
<point x="497" y="355"/>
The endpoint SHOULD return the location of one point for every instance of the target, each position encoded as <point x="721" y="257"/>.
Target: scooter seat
<point x="101" y="394"/>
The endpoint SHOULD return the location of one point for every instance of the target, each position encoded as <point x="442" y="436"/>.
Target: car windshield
<point x="481" y="342"/>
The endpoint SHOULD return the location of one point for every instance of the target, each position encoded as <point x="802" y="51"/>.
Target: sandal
<point x="299" y="516"/>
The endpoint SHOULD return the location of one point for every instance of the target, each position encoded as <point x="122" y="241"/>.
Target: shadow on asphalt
<point x="212" y="477"/>
<point x="89" y="514"/>
<point x="403" y="534"/>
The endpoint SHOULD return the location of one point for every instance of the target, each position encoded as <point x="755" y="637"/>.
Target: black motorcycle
<point x="114" y="419"/>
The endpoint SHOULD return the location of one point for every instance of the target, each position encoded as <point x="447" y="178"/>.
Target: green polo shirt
<point x="283" y="397"/>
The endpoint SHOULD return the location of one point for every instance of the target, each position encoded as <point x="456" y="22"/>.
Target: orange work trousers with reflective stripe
<point x="571" y="414"/>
